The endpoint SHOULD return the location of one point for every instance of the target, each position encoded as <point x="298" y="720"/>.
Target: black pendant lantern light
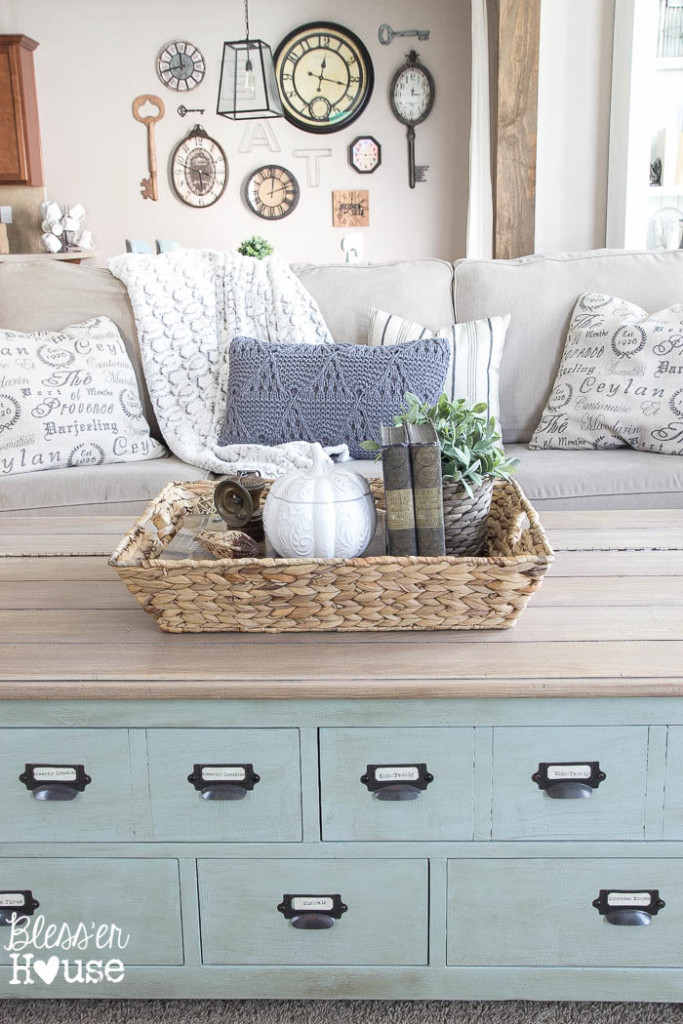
<point x="248" y="88"/>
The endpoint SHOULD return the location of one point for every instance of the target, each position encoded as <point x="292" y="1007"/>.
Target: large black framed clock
<point x="325" y="76"/>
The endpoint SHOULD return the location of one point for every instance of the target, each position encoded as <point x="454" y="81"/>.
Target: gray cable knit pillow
<point x="329" y="393"/>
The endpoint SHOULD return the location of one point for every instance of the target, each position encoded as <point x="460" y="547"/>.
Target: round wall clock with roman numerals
<point x="324" y="75"/>
<point x="199" y="169"/>
<point x="180" y="65"/>
<point x="272" y="192"/>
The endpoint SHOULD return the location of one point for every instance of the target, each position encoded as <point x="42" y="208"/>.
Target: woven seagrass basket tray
<point x="276" y="595"/>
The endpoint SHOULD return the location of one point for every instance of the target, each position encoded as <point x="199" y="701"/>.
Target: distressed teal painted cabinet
<point x="474" y="880"/>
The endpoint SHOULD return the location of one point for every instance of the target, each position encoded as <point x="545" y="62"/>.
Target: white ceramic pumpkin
<point x="326" y="511"/>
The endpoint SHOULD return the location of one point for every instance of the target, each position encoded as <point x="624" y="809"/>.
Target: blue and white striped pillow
<point x="476" y="352"/>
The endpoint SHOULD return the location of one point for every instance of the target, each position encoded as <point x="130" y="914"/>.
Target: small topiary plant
<point x="255" y="246"/>
<point x="471" y="448"/>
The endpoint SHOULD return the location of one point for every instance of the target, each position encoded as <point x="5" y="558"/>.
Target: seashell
<point x="231" y="544"/>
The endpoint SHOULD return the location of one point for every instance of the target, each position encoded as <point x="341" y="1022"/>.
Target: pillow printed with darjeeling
<point x="620" y="382"/>
<point x="331" y="393"/>
<point x="70" y="398"/>
<point x="476" y="349"/>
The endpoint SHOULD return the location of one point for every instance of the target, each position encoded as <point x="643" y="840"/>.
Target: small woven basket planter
<point x="465" y="517"/>
<point x="383" y="593"/>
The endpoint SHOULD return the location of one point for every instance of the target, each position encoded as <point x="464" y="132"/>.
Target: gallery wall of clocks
<point x="326" y="81"/>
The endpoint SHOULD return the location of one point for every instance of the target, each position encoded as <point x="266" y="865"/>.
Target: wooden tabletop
<point x="608" y="621"/>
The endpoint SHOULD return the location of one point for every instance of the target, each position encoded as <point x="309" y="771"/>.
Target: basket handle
<point x="518" y="525"/>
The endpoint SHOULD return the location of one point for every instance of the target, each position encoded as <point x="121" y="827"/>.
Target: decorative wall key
<point x="149" y="186"/>
<point x="411" y="96"/>
<point x="182" y="110"/>
<point x="386" y="34"/>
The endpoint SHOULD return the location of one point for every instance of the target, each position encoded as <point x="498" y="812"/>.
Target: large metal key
<point x="386" y="33"/>
<point x="149" y="186"/>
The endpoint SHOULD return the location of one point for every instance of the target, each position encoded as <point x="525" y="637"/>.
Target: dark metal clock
<point x="181" y="65"/>
<point x="199" y="169"/>
<point x="411" y="95"/>
<point x="325" y="76"/>
<point x="365" y="154"/>
<point x="272" y="192"/>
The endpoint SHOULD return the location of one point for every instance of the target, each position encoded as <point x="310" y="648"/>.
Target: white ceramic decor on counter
<point x="326" y="511"/>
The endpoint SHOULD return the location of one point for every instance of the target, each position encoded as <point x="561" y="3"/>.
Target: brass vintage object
<point x="237" y="499"/>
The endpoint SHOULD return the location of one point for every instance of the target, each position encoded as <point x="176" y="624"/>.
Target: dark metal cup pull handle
<point x="569" y="780"/>
<point x="55" y="781"/>
<point x="396" y="781"/>
<point x="313" y="922"/>
<point x="628" y="917"/>
<point x="223" y="781"/>
<point x="629" y="906"/>
<point x="16" y="901"/>
<point x="310" y="911"/>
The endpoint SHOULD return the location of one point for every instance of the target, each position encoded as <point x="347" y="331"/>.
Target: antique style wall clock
<point x="365" y="154"/>
<point x="180" y="65"/>
<point x="199" y="169"/>
<point x="325" y="76"/>
<point x="412" y="97"/>
<point x="272" y="192"/>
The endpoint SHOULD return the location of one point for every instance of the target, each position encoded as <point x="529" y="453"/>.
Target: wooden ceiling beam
<point x="515" y="119"/>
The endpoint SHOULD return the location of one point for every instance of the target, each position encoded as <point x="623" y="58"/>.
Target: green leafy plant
<point x="255" y="246"/>
<point x="471" y="446"/>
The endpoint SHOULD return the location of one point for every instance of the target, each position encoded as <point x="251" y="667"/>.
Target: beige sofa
<point x="539" y="292"/>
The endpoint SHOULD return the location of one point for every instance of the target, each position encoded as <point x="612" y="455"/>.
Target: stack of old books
<point x="411" y="464"/>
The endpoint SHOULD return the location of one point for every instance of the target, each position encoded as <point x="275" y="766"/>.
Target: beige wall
<point x="95" y="57"/>
<point x="574" y="92"/>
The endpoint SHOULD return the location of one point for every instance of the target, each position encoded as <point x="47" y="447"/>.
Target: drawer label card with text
<point x="381" y="776"/>
<point x="552" y="775"/>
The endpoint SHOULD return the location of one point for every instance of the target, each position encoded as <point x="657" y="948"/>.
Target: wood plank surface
<point x="538" y="624"/>
<point x="606" y="622"/>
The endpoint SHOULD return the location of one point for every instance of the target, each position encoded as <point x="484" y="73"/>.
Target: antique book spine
<point x="398" y="491"/>
<point x="425" y="456"/>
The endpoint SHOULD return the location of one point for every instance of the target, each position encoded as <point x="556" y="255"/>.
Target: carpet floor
<point x="215" y="1011"/>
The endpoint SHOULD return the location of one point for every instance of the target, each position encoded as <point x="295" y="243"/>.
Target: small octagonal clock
<point x="365" y="154"/>
<point x="180" y="65"/>
<point x="271" y="192"/>
<point x="199" y="169"/>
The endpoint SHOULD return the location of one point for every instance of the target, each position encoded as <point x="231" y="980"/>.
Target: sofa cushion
<point x="587" y="479"/>
<point x="70" y="398"/>
<point x="45" y="295"/>
<point x="334" y="394"/>
<point x="620" y="381"/>
<point x="476" y="351"/>
<point x="419" y="290"/>
<point x="540" y="292"/>
<point x="110" y="490"/>
<point x="621" y="478"/>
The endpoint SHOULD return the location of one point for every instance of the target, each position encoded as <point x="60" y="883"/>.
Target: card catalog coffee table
<point x="414" y="815"/>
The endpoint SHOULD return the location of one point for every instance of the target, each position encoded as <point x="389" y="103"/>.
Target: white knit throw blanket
<point x="188" y="306"/>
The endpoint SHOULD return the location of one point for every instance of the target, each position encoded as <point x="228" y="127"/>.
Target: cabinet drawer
<point x="140" y="897"/>
<point x="101" y="812"/>
<point x="540" y="913"/>
<point x="673" y="792"/>
<point x="385" y="921"/>
<point x="352" y="811"/>
<point x="614" y="810"/>
<point x="269" y="812"/>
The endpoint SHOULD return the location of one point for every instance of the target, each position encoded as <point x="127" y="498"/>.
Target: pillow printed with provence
<point x="620" y="382"/>
<point x="70" y="398"/>
<point x="476" y="349"/>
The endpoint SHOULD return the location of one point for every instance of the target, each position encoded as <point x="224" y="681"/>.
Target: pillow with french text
<point x="70" y="398"/>
<point x="620" y="382"/>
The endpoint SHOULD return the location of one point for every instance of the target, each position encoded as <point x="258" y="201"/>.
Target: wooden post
<point x="514" y="128"/>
